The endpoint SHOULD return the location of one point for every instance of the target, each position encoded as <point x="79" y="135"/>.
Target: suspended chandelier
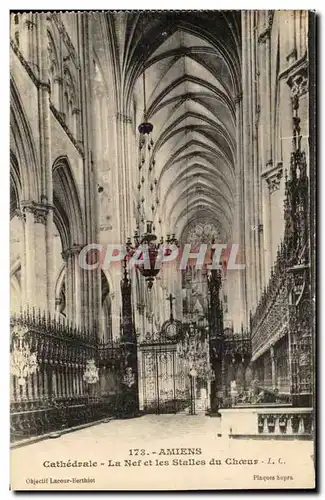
<point x="148" y="250"/>
<point x="23" y="362"/>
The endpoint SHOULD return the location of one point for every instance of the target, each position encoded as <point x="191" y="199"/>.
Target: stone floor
<point x="117" y="441"/>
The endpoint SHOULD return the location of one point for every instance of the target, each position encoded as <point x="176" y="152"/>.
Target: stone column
<point x="268" y="94"/>
<point x="68" y="285"/>
<point x="292" y="19"/>
<point x="239" y="233"/>
<point x="30" y="260"/>
<point x="116" y="304"/>
<point x="45" y="156"/>
<point x="91" y="278"/>
<point x="97" y="112"/>
<point x="251" y="163"/>
<point x="38" y="293"/>
<point x="73" y="282"/>
<point x="271" y="183"/>
<point x="22" y="256"/>
<point x="264" y="40"/>
<point x="126" y="163"/>
<point x="266" y="135"/>
<point x="255" y="116"/>
<point x="247" y="158"/>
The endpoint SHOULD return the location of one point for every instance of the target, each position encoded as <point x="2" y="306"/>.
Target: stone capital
<point x="39" y="210"/>
<point x="273" y="177"/>
<point x="20" y="214"/>
<point x="298" y="82"/>
<point x="74" y="250"/>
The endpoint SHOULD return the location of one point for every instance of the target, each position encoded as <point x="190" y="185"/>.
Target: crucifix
<point x="170" y="299"/>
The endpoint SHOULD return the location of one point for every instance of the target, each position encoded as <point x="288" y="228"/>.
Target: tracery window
<point x="54" y="72"/>
<point x="23" y="32"/>
<point x="63" y="76"/>
<point x="70" y="101"/>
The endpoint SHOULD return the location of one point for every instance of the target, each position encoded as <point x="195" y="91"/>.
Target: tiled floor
<point x="117" y="440"/>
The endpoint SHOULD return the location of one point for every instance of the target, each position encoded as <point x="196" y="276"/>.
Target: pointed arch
<point x="276" y="89"/>
<point x="54" y="69"/>
<point x="68" y="214"/>
<point x="24" y="164"/>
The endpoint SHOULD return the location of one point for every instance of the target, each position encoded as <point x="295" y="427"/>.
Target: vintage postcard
<point x="162" y="250"/>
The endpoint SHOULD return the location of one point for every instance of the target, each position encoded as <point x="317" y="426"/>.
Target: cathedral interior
<point x="179" y="131"/>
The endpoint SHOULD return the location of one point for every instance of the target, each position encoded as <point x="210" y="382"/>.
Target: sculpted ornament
<point x="91" y="375"/>
<point x="129" y="377"/>
<point x="39" y="210"/>
<point x="202" y="233"/>
<point x="273" y="178"/>
<point x="298" y="83"/>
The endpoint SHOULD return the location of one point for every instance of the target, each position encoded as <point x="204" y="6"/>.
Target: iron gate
<point x="164" y="383"/>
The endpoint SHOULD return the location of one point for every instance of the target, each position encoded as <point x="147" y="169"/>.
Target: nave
<point x="171" y="134"/>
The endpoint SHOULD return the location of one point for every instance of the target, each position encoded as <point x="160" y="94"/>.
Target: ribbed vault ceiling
<point x="192" y="75"/>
